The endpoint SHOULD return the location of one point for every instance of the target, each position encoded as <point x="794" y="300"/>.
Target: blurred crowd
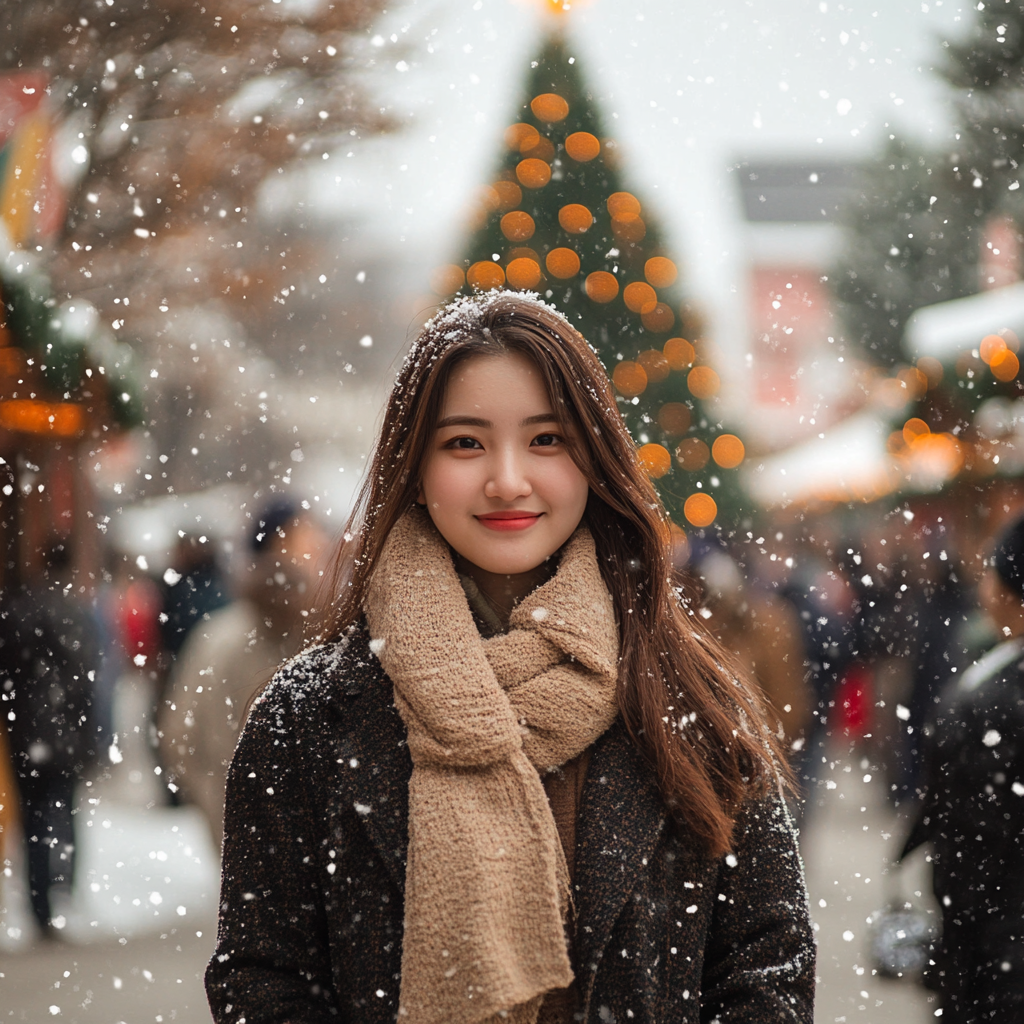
<point x="863" y="629"/>
<point x="201" y="639"/>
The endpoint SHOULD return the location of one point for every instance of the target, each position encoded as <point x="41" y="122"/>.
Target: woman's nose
<point x="508" y="481"/>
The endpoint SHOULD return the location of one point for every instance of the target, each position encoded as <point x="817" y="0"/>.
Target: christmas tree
<point x="557" y="220"/>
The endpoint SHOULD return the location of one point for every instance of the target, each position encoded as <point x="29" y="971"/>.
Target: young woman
<point x="514" y="783"/>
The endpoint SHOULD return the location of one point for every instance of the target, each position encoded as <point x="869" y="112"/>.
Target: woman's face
<point x="498" y="482"/>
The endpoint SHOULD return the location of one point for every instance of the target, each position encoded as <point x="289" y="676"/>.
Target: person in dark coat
<point x="973" y="814"/>
<point x="514" y="781"/>
<point x="49" y="656"/>
<point x="314" y="875"/>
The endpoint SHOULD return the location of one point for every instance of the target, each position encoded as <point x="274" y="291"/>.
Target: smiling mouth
<point x="513" y="519"/>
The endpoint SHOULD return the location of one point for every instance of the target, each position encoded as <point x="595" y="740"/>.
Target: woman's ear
<point x="420" y="499"/>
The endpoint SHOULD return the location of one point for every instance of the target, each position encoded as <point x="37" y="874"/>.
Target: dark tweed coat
<point x="315" y="839"/>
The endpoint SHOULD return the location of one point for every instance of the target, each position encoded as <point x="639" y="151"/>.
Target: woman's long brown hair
<point x="700" y="728"/>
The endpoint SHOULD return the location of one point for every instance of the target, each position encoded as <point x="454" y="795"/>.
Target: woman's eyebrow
<point x="476" y="421"/>
<point x="464" y="421"/>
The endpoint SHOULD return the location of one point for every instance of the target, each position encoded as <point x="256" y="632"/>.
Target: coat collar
<point x="620" y="821"/>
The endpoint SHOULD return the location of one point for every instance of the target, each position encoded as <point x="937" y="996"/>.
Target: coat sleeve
<point x="760" y="954"/>
<point x="271" y="964"/>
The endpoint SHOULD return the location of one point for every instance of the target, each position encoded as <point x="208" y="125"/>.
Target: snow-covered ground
<point x="144" y="869"/>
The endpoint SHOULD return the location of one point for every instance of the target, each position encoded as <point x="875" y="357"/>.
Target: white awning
<point x="946" y="329"/>
<point x="849" y="463"/>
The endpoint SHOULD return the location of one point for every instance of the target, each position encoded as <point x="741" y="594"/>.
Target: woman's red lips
<point x="510" y="519"/>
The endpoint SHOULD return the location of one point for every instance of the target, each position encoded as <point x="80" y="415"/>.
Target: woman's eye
<point x="546" y="440"/>
<point x="464" y="443"/>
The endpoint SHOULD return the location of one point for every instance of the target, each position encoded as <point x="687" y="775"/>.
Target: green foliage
<point x="613" y="247"/>
<point x="911" y="239"/>
<point x="35" y="322"/>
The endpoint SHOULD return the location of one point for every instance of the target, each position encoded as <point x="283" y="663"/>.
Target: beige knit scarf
<point x="486" y="883"/>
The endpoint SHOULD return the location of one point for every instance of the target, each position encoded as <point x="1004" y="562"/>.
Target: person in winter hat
<point x="972" y="813"/>
<point x="515" y="780"/>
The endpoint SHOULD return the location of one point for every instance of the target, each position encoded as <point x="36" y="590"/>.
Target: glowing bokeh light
<point x="510" y="195"/>
<point x="519" y="251"/>
<point x="700" y="510"/>
<point x="533" y="173"/>
<point x="703" y="382"/>
<point x="575" y="218"/>
<point x="562" y="263"/>
<point x="655" y="459"/>
<point x="521" y="136"/>
<point x="629" y="378"/>
<point x="728" y="451"/>
<point x="659" y="320"/>
<point x="913" y="429"/>
<point x="447" y="280"/>
<point x="485" y="275"/>
<point x="660" y="272"/>
<point x="693" y="454"/>
<point x="63" y="419"/>
<point x="518" y="226"/>
<point x="601" y="286"/>
<point x="990" y="345"/>
<point x="549" y="107"/>
<point x="582" y="146"/>
<point x="655" y="365"/>
<point x="932" y="370"/>
<point x="1005" y="365"/>
<point x="914" y="381"/>
<point x="639" y="297"/>
<point x="674" y="418"/>
<point x="679" y="353"/>
<point x="523" y="273"/>
<point x="543" y="150"/>
<point x="623" y="206"/>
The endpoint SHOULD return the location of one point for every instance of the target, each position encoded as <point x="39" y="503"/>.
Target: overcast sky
<point x="686" y="87"/>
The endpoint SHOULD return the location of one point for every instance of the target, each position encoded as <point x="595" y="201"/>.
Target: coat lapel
<point x="372" y="763"/>
<point x="620" y="822"/>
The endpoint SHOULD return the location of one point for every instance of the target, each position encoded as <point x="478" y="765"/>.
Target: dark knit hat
<point x="274" y="515"/>
<point x="1008" y="559"/>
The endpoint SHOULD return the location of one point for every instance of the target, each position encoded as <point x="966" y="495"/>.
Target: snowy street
<point x="141" y="927"/>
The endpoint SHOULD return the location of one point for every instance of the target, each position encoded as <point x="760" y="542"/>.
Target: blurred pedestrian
<point x="763" y="634"/>
<point x="48" y="659"/>
<point x="514" y="781"/>
<point x="191" y="590"/>
<point x="973" y="813"/>
<point x="225" y="659"/>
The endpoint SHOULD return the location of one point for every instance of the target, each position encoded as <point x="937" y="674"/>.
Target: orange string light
<point x="575" y="218"/>
<point x="485" y="275"/>
<point x="523" y="273"/>
<point x="582" y="146"/>
<point x="728" y="451"/>
<point x="700" y="509"/>
<point x="601" y="286"/>
<point x="679" y="353"/>
<point x="518" y="226"/>
<point x="549" y="107"/>
<point x="629" y="378"/>
<point x="655" y="459"/>
<point x="562" y="263"/>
